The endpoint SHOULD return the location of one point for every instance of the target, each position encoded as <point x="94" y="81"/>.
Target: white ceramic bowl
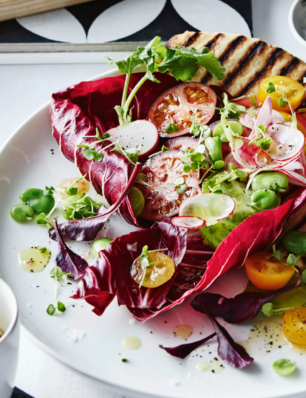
<point x="9" y="342"/>
<point x="297" y="20"/>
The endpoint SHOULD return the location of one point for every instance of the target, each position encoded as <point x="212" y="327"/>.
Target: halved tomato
<point x="284" y="87"/>
<point x="178" y="104"/>
<point x="246" y="101"/>
<point x="160" y="192"/>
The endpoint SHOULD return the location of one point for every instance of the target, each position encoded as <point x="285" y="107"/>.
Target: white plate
<point x="26" y="161"/>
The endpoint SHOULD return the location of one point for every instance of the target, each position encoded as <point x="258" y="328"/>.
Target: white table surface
<point x="23" y="89"/>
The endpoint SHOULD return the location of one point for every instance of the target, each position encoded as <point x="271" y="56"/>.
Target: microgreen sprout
<point x="124" y="360"/>
<point x="181" y="185"/>
<point x="145" y="255"/>
<point x="253" y="101"/>
<point x="58" y="275"/>
<point x="90" y="153"/>
<point x="213" y="184"/>
<point x="51" y="310"/>
<point x="171" y="128"/>
<point x="163" y="149"/>
<point x="42" y="219"/>
<point x="269" y="310"/>
<point x="198" y="130"/>
<point x="271" y="88"/>
<point x="42" y="249"/>
<point x="231" y="110"/>
<point x="284" y="367"/>
<point x="282" y="102"/>
<point x="71" y="190"/>
<point x="49" y="191"/>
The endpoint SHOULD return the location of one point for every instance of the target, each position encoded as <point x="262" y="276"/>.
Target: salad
<point x="209" y="180"/>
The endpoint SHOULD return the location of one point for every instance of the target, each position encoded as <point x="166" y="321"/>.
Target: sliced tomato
<point x="179" y="104"/>
<point x="161" y="196"/>
<point x="182" y="143"/>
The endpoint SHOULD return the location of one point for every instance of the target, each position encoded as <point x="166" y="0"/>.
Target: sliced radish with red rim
<point x="138" y="134"/>
<point x="188" y="222"/>
<point x="287" y="143"/>
<point x="210" y="207"/>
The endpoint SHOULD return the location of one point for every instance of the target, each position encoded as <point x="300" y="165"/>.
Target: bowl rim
<point x="10" y="294"/>
<point x="293" y="29"/>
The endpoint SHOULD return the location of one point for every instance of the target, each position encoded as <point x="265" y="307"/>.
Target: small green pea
<point x="22" y="213"/>
<point x="272" y="180"/>
<point x="100" y="244"/>
<point x="265" y="199"/>
<point x="295" y="242"/>
<point x="137" y="200"/>
<point x="39" y="200"/>
<point x="235" y="126"/>
<point x="284" y="367"/>
<point x="214" y="147"/>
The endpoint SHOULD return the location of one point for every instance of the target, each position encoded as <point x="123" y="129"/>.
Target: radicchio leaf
<point x="242" y="307"/>
<point x="77" y="111"/>
<point x="183" y="350"/>
<point x="110" y="276"/>
<point x="231" y="352"/>
<point x="68" y="261"/>
<point x="87" y="228"/>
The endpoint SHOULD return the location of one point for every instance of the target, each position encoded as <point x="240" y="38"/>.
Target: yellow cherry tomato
<point x="153" y="275"/>
<point x="267" y="274"/>
<point x="286" y="87"/>
<point x="294" y="324"/>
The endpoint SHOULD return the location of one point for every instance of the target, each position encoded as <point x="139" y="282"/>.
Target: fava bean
<point x="235" y="126"/>
<point x="265" y="199"/>
<point x="295" y="242"/>
<point x="22" y="213"/>
<point x="272" y="180"/>
<point x="40" y="201"/>
<point x="214" y="147"/>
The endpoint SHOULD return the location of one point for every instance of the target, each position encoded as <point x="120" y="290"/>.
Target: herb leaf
<point x="171" y="128"/>
<point x="271" y="88"/>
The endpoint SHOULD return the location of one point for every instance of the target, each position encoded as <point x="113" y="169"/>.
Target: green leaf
<point x="271" y="88"/>
<point x="57" y="273"/>
<point x="282" y="102"/>
<point x="51" y="310"/>
<point x="92" y="154"/>
<point x="197" y="157"/>
<point x="145" y="252"/>
<point x="278" y="255"/>
<point x="267" y="309"/>
<point x="71" y="191"/>
<point x="42" y="249"/>
<point x="291" y="259"/>
<point x="126" y="65"/>
<point x="61" y="307"/>
<point x="264" y="143"/>
<point x="205" y="59"/>
<point x="186" y="168"/>
<point x="171" y="128"/>
<point x="180" y="67"/>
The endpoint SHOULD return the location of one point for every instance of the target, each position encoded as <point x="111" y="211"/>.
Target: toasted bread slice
<point x="247" y="60"/>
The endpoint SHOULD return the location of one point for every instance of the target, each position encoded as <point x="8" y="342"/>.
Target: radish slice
<point x="138" y="134"/>
<point x="189" y="222"/>
<point x="295" y="178"/>
<point x="275" y="118"/>
<point x="263" y="117"/>
<point x="210" y="207"/>
<point x="247" y="121"/>
<point x="287" y="143"/>
<point x="293" y="166"/>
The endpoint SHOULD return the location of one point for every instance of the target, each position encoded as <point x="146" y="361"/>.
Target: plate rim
<point x="112" y="387"/>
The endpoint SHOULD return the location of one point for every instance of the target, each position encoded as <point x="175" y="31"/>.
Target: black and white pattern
<point x="104" y="21"/>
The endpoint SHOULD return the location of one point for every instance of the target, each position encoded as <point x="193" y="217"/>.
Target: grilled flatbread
<point x="247" y="60"/>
